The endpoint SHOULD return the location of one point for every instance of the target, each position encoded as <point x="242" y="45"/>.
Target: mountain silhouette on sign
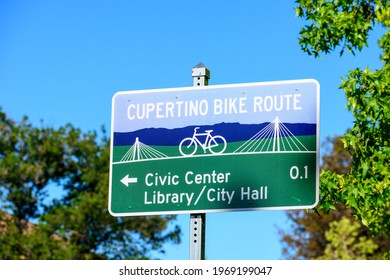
<point x="232" y="132"/>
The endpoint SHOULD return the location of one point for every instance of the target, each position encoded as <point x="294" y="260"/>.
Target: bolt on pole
<point x="201" y="76"/>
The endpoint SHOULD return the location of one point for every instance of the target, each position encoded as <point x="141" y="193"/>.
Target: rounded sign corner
<point x="315" y="81"/>
<point x="315" y="204"/>
<point x="113" y="213"/>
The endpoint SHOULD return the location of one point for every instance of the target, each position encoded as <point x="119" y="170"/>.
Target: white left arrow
<point x="126" y="180"/>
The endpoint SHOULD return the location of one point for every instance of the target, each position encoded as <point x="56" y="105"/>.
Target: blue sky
<point x="63" y="60"/>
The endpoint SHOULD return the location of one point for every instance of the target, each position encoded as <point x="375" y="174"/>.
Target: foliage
<point x="310" y="233"/>
<point x="77" y="225"/>
<point x="365" y="189"/>
<point x="344" y="23"/>
<point x="313" y="236"/>
<point x="336" y="158"/>
<point x="344" y="242"/>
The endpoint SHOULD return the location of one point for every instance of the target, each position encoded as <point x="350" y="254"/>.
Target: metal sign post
<point x="200" y="75"/>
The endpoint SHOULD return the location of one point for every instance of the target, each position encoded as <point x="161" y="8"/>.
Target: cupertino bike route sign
<point x="217" y="148"/>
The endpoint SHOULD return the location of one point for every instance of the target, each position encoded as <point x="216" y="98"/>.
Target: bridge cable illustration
<point x="139" y="151"/>
<point x="275" y="137"/>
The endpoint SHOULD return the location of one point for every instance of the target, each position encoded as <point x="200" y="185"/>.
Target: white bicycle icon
<point x="216" y="144"/>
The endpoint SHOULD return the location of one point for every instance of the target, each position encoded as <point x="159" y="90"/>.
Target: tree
<point x="336" y="158"/>
<point x="345" y="24"/>
<point x="344" y="242"/>
<point x="362" y="190"/>
<point x="78" y="225"/>
<point x="317" y="235"/>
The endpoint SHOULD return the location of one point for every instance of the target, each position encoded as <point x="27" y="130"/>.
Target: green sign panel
<point x="217" y="148"/>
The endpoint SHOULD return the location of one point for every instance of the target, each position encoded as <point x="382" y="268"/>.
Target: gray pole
<point x="201" y="76"/>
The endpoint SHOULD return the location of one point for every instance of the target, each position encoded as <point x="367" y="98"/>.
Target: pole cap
<point x="200" y="70"/>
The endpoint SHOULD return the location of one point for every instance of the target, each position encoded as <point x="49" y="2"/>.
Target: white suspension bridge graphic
<point x="140" y="151"/>
<point x="273" y="138"/>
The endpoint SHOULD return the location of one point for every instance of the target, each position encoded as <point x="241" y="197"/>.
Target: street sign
<point x="216" y="148"/>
